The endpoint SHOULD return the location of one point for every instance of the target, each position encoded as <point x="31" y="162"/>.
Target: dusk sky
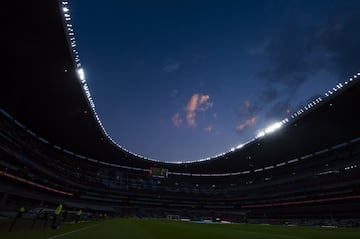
<point x="180" y="80"/>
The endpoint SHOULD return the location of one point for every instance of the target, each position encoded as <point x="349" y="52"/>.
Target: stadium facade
<point x="53" y="147"/>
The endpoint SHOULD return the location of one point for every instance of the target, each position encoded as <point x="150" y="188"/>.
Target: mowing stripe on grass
<point x="78" y="230"/>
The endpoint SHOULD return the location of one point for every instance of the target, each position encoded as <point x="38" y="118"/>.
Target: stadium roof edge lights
<point x="224" y="174"/>
<point x="64" y="6"/>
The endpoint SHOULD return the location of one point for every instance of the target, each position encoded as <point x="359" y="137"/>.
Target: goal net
<point x="173" y="217"/>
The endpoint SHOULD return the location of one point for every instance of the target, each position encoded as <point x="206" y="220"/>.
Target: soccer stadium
<point x="299" y="179"/>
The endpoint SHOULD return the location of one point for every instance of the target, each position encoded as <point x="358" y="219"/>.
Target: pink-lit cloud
<point x="248" y="123"/>
<point x="197" y="103"/>
<point x="209" y="129"/>
<point x="176" y="120"/>
<point x="190" y="119"/>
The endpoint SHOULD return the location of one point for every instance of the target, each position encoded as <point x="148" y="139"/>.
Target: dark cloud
<point x="171" y="68"/>
<point x="300" y="49"/>
<point x="279" y="110"/>
<point x="289" y="57"/>
<point x="339" y="39"/>
<point x="268" y="95"/>
<point x="264" y="100"/>
<point x="270" y="102"/>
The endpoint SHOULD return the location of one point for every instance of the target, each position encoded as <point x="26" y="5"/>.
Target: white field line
<point x="78" y="230"/>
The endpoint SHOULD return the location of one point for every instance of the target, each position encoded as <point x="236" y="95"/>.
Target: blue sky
<point x="186" y="80"/>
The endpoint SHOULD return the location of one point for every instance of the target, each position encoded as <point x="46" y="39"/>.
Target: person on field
<point x="56" y="218"/>
<point x="78" y="215"/>
<point x="19" y="214"/>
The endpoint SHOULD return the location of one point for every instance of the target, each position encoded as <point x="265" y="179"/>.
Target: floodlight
<point x="81" y="74"/>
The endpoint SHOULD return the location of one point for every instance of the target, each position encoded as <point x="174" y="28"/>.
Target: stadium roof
<point x="41" y="88"/>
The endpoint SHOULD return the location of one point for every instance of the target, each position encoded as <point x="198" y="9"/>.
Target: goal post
<point x="173" y="217"/>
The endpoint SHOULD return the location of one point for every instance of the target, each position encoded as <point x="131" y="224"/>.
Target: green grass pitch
<point x="164" y="229"/>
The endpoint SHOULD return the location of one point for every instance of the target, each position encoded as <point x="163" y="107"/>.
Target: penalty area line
<point x="78" y="230"/>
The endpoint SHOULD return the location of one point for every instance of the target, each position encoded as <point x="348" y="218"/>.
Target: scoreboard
<point x="158" y="172"/>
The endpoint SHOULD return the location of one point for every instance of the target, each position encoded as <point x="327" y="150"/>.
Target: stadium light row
<point x="146" y="170"/>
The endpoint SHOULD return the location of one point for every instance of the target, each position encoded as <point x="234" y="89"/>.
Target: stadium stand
<point x="53" y="149"/>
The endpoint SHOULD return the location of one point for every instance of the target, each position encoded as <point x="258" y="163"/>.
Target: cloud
<point x="176" y="120"/>
<point x="204" y="103"/>
<point x="248" y="123"/>
<point x="302" y="47"/>
<point x="190" y="118"/>
<point x="279" y="109"/>
<point x="339" y="40"/>
<point x="258" y="49"/>
<point x="246" y="104"/>
<point x="197" y="103"/>
<point x="209" y="129"/>
<point x="248" y="108"/>
<point x="171" y="68"/>
<point x="299" y="50"/>
<point x="290" y="62"/>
